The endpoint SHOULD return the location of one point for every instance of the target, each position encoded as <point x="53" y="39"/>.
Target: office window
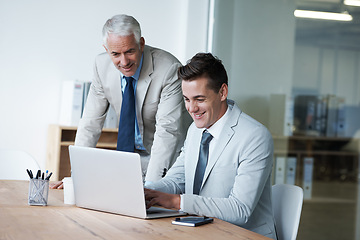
<point x="301" y="78"/>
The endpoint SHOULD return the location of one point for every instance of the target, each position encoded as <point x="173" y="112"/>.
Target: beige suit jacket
<point x="160" y="110"/>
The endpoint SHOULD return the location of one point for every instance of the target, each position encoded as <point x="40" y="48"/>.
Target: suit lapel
<point x="193" y="155"/>
<point x="116" y="96"/>
<point x="225" y="138"/>
<point x="143" y="84"/>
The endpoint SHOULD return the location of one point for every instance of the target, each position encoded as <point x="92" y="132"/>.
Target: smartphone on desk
<point x="192" y="221"/>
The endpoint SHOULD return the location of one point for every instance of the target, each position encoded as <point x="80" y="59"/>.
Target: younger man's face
<point x="204" y="104"/>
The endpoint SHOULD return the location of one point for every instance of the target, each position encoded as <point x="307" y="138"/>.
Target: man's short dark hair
<point x="205" y="65"/>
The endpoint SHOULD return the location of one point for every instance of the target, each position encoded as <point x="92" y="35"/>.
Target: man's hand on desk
<point x="162" y="199"/>
<point x="56" y="185"/>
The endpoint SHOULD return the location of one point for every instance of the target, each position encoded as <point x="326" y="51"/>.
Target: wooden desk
<point x="18" y="220"/>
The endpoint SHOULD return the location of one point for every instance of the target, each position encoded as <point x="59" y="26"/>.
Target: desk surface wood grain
<point x="18" y="220"/>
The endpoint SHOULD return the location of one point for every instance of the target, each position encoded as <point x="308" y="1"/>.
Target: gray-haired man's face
<point x="125" y="53"/>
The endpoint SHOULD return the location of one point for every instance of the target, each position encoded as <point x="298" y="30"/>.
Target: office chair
<point x="13" y="164"/>
<point x="287" y="201"/>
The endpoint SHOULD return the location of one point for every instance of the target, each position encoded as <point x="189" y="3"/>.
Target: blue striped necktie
<point x="126" y="134"/>
<point x="202" y="162"/>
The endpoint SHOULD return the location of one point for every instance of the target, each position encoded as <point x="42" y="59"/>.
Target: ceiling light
<point x="352" y="3"/>
<point x="323" y="15"/>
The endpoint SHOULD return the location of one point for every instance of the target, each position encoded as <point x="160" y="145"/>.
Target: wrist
<point x="177" y="201"/>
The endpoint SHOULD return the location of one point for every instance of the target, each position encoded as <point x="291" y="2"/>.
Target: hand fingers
<point x="149" y="194"/>
<point x="151" y="197"/>
<point x="56" y="185"/>
<point x="53" y="185"/>
<point x="151" y="203"/>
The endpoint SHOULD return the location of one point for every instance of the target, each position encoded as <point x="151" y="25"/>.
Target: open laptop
<point x="111" y="181"/>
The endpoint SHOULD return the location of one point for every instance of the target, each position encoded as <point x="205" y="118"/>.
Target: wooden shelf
<point x="60" y="138"/>
<point x="335" y="159"/>
<point x="310" y="146"/>
<point x="324" y="153"/>
<point x="67" y="143"/>
<point x="330" y="200"/>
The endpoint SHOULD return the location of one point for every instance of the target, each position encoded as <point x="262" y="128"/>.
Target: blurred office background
<point x="273" y="58"/>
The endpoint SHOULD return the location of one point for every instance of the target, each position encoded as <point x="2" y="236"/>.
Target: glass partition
<point x="301" y="78"/>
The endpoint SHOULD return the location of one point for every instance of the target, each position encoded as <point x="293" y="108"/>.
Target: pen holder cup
<point x="38" y="192"/>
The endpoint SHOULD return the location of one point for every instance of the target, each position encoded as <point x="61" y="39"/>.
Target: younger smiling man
<point x="236" y="183"/>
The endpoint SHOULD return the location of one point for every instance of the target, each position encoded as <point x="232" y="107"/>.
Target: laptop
<point x="111" y="181"/>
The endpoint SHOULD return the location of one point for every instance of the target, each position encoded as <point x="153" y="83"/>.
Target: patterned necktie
<point x="126" y="134"/>
<point x="202" y="162"/>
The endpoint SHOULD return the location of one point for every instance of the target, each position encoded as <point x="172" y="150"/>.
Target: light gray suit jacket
<point x="160" y="110"/>
<point x="237" y="184"/>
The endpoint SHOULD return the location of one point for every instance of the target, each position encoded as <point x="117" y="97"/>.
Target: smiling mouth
<point x="198" y="115"/>
<point x="127" y="68"/>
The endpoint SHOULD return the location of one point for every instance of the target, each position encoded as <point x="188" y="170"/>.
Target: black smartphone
<point x="192" y="221"/>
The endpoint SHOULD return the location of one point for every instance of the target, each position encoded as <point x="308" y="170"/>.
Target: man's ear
<point x="224" y="92"/>
<point x="142" y="44"/>
<point x="106" y="48"/>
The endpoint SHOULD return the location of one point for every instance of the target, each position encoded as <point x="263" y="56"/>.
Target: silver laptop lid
<point x="108" y="180"/>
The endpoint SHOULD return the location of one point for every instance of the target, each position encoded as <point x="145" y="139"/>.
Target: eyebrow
<point x="127" y="51"/>
<point x="197" y="96"/>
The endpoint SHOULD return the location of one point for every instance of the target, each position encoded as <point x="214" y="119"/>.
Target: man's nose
<point x="124" y="60"/>
<point x="193" y="107"/>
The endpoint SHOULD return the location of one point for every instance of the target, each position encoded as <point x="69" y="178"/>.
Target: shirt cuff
<point x="147" y="183"/>
<point x="181" y="203"/>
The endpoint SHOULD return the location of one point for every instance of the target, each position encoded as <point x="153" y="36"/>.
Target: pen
<point x="48" y="177"/>
<point x="38" y="174"/>
<point x="42" y="177"/>
<point x="29" y="173"/>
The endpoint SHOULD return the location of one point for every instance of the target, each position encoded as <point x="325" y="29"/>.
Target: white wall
<point x="43" y="43"/>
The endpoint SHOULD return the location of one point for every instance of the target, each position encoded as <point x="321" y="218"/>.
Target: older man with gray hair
<point x="141" y="84"/>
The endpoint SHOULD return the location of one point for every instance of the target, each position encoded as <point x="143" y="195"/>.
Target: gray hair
<point x="121" y="25"/>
